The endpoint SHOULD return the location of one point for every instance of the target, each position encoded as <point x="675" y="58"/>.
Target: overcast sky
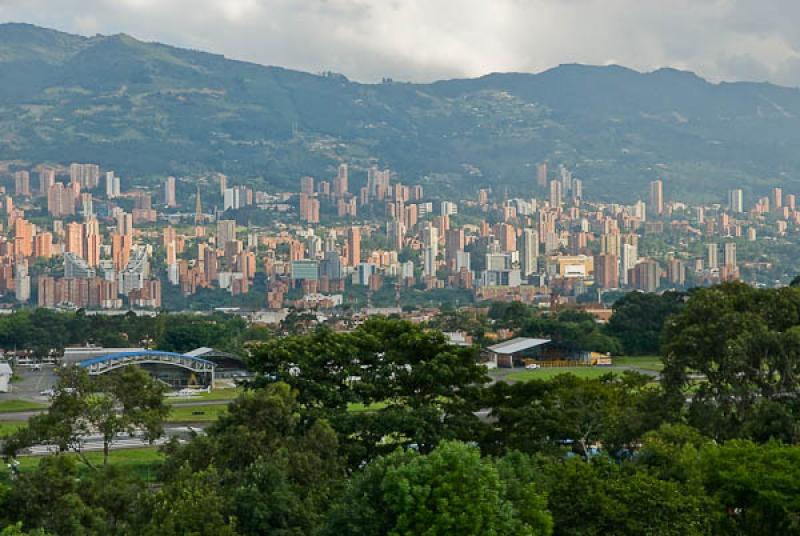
<point x="422" y="40"/>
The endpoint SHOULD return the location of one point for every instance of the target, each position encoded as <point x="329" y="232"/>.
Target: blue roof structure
<point x="144" y="353"/>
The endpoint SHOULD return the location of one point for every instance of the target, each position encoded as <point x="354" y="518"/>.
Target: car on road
<point x="533" y="366"/>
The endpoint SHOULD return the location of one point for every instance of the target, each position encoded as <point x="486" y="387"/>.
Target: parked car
<point x="533" y="366"/>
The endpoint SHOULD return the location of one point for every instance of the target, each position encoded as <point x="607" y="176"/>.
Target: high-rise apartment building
<point x="353" y="246"/>
<point x="47" y="178"/>
<point x="507" y="236"/>
<point x="22" y="281"/>
<point x="777" y="198"/>
<point x="577" y="191"/>
<point x="657" y="197"/>
<point x="23" y="237"/>
<point x="85" y="175"/>
<point x="541" y="175"/>
<point x="729" y="254"/>
<point x="121" y="246"/>
<point x="646" y="276"/>
<point x="555" y="194"/>
<point x="43" y="245"/>
<point x="712" y="256"/>
<point x="630" y="256"/>
<point x="340" y="183"/>
<point x="22" y="183"/>
<point x="309" y="208"/>
<point x="307" y="185"/>
<point x="60" y="201"/>
<point x="529" y="252"/>
<point x="124" y="223"/>
<point x="676" y="272"/>
<point x="73" y="239"/>
<point x="606" y="271"/>
<point x="454" y="243"/>
<point x="431" y="251"/>
<point x="736" y="200"/>
<point x="226" y="232"/>
<point x="640" y="210"/>
<point x="610" y="244"/>
<point x="111" y="182"/>
<point x="92" y="241"/>
<point x="169" y="192"/>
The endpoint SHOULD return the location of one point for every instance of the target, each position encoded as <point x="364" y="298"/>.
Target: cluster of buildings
<point x="71" y="243"/>
<point x="556" y="245"/>
<point x="74" y="237"/>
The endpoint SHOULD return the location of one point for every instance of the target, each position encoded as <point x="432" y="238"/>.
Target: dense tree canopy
<point x="388" y="429"/>
<point x="573" y="413"/>
<point x="420" y="388"/>
<point x="738" y="349"/>
<point x="450" y="491"/>
<point x="43" y="330"/>
<point x="639" y="318"/>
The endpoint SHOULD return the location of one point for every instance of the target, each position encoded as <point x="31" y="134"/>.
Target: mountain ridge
<point x="150" y="109"/>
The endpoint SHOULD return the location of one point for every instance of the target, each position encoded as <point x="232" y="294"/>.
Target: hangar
<point x="196" y="368"/>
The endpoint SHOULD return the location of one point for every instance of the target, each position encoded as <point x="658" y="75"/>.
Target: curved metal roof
<point x="145" y="353"/>
<point x="517" y="345"/>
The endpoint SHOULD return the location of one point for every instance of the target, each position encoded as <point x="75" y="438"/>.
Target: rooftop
<point x="517" y="344"/>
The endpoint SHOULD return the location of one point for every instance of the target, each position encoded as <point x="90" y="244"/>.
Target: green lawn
<point x="644" y="362"/>
<point x="207" y="413"/>
<point x="10" y="406"/>
<point x="362" y="408"/>
<point x="7" y="427"/>
<point x="219" y="394"/>
<point x="142" y="461"/>
<point x="550" y="373"/>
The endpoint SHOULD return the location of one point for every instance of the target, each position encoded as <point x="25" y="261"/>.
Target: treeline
<point x="388" y="429"/>
<point x="634" y="327"/>
<point x="43" y="330"/>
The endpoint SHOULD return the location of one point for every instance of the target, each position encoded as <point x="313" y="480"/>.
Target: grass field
<point x="219" y="394"/>
<point x="207" y="413"/>
<point x="550" y="373"/>
<point x="7" y="427"/>
<point x="644" y="362"/>
<point x="362" y="408"/>
<point x="142" y="461"/>
<point x="10" y="406"/>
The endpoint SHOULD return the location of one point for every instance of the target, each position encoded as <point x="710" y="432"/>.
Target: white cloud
<point x="431" y="39"/>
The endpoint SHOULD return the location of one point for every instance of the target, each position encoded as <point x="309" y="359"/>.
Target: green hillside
<point x="147" y="110"/>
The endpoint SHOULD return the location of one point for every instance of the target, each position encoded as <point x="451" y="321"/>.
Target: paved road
<point x="25" y="415"/>
<point x="94" y="443"/>
<point x="31" y="383"/>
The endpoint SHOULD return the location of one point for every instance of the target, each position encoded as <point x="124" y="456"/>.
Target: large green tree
<point x="277" y="469"/>
<point x="448" y="491"/>
<point x="751" y="489"/>
<point x="603" y="497"/>
<point x="123" y="401"/>
<point x="549" y="416"/>
<point x="638" y="320"/>
<point x="736" y="350"/>
<point x="418" y="389"/>
<point x="60" y="499"/>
